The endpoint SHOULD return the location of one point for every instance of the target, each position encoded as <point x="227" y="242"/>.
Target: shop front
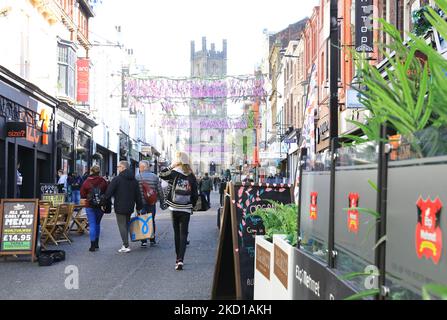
<point x="74" y="140"/>
<point x="27" y="126"/>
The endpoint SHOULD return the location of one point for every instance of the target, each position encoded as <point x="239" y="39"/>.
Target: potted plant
<point x="81" y="150"/>
<point x="97" y="157"/>
<point x="63" y="145"/>
<point x="281" y="225"/>
<point x="412" y="101"/>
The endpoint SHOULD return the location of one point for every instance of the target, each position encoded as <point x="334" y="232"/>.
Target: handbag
<point x="141" y="227"/>
<point x="107" y="206"/>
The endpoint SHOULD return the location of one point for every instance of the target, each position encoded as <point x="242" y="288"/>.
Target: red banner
<point x="83" y="66"/>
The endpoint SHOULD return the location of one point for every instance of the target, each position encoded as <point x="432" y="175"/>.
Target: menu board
<point x="247" y="198"/>
<point x="55" y="199"/>
<point x="240" y="227"/>
<point x="18" y="221"/>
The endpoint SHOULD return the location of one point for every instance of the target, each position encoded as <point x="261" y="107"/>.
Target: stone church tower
<point x="207" y="149"/>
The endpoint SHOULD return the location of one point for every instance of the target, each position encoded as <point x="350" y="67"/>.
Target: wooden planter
<point x="263" y="269"/>
<point x="282" y="270"/>
<point x="273" y="269"/>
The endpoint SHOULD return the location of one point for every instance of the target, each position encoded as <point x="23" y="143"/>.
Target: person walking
<point x="92" y="189"/>
<point x="74" y="185"/>
<point x="19" y="182"/>
<point x="146" y="177"/>
<point x="181" y="199"/>
<point x="206" y="187"/>
<point x="126" y="193"/>
<point x="62" y="182"/>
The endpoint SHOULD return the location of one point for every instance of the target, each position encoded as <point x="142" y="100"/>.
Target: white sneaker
<point x="124" y="250"/>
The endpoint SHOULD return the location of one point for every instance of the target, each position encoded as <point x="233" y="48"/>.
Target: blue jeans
<point x="207" y="196"/>
<point x="76" y="196"/>
<point x="153" y="209"/>
<point x="94" y="220"/>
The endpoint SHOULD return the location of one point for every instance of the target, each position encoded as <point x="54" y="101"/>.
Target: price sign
<point x="18" y="222"/>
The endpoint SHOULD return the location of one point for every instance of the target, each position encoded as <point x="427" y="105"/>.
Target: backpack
<point x="182" y="191"/>
<point x="149" y="194"/>
<point x="94" y="197"/>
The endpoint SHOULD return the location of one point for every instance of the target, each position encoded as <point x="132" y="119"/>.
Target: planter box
<point x="282" y="270"/>
<point x="263" y="269"/>
<point x="274" y="269"/>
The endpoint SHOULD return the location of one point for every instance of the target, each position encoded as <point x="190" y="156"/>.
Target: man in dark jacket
<point x="126" y="193"/>
<point x="206" y="187"/>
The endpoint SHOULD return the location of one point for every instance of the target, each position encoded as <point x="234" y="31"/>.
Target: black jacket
<point x="126" y="192"/>
<point x="170" y="175"/>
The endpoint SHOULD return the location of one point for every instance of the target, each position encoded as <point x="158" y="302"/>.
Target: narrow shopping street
<point x="141" y="274"/>
<point x="320" y="132"/>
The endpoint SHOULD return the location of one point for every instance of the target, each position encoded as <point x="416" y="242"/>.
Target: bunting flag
<point x="213" y="90"/>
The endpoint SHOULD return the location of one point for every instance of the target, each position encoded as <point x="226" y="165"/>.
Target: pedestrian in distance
<point x="74" y="185"/>
<point x="19" y="182"/>
<point x="181" y="200"/>
<point x="93" y="190"/>
<point x="62" y="182"/>
<point x="206" y="187"/>
<point x="126" y="193"/>
<point x="148" y="183"/>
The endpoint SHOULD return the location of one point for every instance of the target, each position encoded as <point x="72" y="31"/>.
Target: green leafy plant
<point x="281" y="219"/>
<point x="434" y="289"/>
<point x="409" y="94"/>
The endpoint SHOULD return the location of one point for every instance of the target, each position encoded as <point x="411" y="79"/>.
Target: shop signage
<point x="240" y="228"/>
<point x="364" y="10"/>
<point x="83" y="69"/>
<point x="16" y="129"/>
<point x="428" y="230"/>
<point x="323" y="130"/>
<point x="314" y="206"/>
<point x="314" y="281"/>
<point x="48" y="188"/>
<point x="55" y="199"/>
<point x="353" y="213"/>
<point x="18" y="222"/>
<point x="37" y="125"/>
<point x="281" y="265"/>
<point x="263" y="261"/>
<point x="353" y="100"/>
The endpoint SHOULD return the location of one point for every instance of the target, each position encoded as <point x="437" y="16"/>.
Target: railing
<point x="380" y="210"/>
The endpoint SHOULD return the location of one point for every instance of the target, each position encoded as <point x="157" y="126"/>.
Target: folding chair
<point x="65" y="212"/>
<point x="80" y="220"/>
<point x="45" y="203"/>
<point x="48" y="227"/>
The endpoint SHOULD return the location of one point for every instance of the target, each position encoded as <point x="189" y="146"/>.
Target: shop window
<point x="66" y="70"/>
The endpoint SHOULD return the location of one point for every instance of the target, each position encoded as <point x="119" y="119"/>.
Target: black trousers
<point x="180" y="222"/>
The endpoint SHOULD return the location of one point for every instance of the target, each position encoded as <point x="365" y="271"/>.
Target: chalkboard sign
<point x="240" y="227"/>
<point x="55" y="199"/>
<point x="18" y="222"/>
<point x="49" y="188"/>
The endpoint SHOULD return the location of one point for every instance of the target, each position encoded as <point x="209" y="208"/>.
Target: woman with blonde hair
<point x="92" y="189"/>
<point x="181" y="200"/>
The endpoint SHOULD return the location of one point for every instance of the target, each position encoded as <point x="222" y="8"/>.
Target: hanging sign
<point x="364" y="10"/>
<point x="83" y="66"/>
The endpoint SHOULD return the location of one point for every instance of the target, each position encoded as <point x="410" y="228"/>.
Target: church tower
<point x="207" y="149"/>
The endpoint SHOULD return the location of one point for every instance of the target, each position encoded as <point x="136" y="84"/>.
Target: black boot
<point x="97" y="243"/>
<point x="92" y="246"/>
